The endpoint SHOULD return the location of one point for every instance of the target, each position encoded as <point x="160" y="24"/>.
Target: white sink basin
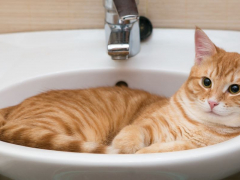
<point x="31" y="63"/>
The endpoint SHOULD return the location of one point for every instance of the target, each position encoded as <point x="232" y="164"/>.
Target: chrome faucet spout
<point x="122" y="28"/>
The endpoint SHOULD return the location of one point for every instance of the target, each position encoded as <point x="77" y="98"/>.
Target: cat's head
<point x="213" y="87"/>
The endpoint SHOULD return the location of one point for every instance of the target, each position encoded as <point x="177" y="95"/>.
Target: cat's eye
<point x="206" y="82"/>
<point x="234" y="89"/>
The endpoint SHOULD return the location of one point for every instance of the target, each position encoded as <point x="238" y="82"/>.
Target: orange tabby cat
<point x="204" y="111"/>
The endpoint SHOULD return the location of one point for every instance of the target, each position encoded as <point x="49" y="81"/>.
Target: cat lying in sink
<point x="204" y="111"/>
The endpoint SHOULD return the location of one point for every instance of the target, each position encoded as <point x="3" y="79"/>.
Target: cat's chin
<point x="230" y="120"/>
<point x="220" y="114"/>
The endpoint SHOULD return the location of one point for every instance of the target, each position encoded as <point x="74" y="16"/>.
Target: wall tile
<point x="35" y="15"/>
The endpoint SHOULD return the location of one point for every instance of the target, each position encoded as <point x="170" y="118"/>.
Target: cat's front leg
<point x="130" y="139"/>
<point x="167" y="147"/>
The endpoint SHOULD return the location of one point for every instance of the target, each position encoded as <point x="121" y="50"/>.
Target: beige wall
<point x="32" y="15"/>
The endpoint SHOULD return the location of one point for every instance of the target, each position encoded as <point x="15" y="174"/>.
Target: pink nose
<point x="212" y="104"/>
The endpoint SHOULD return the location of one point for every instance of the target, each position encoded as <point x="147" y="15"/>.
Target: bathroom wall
<point x="34" y="15"/>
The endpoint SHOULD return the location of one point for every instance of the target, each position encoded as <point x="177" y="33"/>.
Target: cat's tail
<point x="86" y="147"/>
<point x="62" y="142"/>
<point x="93" y="147"/>
<point x="46" y="139"/>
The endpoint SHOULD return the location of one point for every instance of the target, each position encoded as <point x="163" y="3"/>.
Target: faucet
<point x="122" y="28"/>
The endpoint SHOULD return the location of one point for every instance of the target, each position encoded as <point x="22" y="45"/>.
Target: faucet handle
<point x="127" y="10"/>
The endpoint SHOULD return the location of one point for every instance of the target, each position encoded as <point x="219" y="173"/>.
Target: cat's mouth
<point x="213" y="113"/>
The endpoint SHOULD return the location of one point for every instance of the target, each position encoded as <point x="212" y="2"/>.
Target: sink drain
<point x="121" y="83"/>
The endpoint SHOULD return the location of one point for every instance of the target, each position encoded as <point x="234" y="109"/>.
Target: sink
<point x="32" y="63"/>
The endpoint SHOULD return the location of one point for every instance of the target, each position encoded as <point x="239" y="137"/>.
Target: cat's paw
<point x="125" y="146"/>
<point x="129" y="140"/>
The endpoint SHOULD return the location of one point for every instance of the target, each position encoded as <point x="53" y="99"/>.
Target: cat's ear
<point x="204" y="47"/>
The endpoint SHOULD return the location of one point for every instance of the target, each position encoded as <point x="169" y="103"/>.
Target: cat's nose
<point x="212" y="104"/>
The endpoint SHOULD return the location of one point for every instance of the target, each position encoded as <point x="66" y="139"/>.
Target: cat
<point x="203" y="112"/>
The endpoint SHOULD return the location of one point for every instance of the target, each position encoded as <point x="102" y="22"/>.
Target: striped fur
<point x="74" y="120"/>
<point x="123" y="120"/>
